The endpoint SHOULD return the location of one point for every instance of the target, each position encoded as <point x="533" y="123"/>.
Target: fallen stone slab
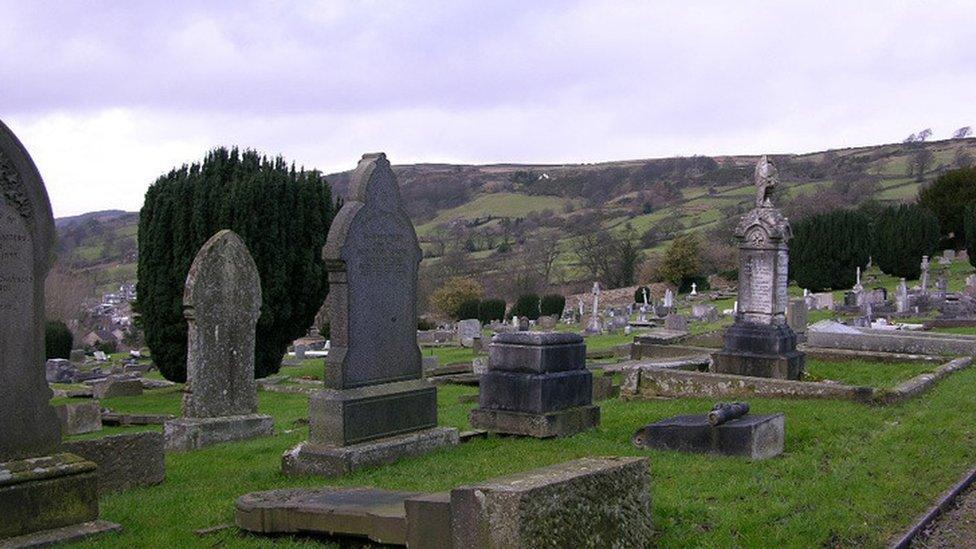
<point x="80" y="418"/>
<point x="66" y="534"/>
<point x="758" y="436"/>
<point x="109" y="388"/>
<point x="378" y="515"/>
<point x="921" y="383"/>
<point x="185" y="434"/>
<point x="834" y="335"/>
<point x="822" y="353"/>
<point x="124" y="461"/>
<point x="114" y="418"/>
<point x="546" y="507"/>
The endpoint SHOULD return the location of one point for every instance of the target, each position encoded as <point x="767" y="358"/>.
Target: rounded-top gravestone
<point x="221" y="302"/>
<point x="28" y="424"/>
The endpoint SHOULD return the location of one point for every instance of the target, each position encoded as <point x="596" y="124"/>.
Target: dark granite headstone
<point x="376" y="406"/>
<point x="221" y="302"/>
<point x="40" y="490"/>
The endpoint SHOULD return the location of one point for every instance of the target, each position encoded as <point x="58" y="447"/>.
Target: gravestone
<point x="924" y="280"/>
<point x="221" y="303"/>
<point x="536" y="385"/>
<point x="676" y="322"/>
<point x="59" y="370"/>
<point x="77" y="356"/>
<point x="376" y="406"/>
<point x="467" y="331"/>
<point x="796" y="315"/>
<point x="595" y="325"/>
<point x="760" y="342"/>
<point x="42" y="492"/>
<point x="901" y="297"/>
<point x="79" y="418"/>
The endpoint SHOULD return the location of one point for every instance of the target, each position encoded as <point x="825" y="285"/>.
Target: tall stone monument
<point x="376" y="407"/>
<point x="760" y="343"/>
<point x="221" y="303"/>
<point x="44" y="493"/>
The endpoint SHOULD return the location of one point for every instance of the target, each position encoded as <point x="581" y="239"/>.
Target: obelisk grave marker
<point x="760" y="343"/>
<point x="221" y="303"/>
<point x="42" y="492"/>
<point x="376" y="407"/>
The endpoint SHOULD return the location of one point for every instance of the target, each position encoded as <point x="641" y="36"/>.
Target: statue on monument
<point x="766" y="177"/>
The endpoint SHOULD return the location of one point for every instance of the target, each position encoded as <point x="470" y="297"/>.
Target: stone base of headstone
<point x="759" y="350"/>
<point x="66" y="534"/>
<point x="562" y="423"/>
<point x="185" y="433"/>
<point x="39" y="496"/>
<point x="79" y="418"/>
<point x="124" y="461"/>
<point x="751" y="436"/>
<point x="333" y="461"/>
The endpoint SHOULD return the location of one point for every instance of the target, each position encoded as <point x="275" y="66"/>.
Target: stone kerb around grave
<point x="44" y="494"/>
<point x="222" y="303"/>
<point x="375" y="407"/>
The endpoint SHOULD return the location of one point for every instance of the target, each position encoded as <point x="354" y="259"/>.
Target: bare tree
<point x="920" y="161"/>
<point x="910" y="139"/>
<point x="612" y="259"/>
<point x="963" y="133"/>
<point x="65" y="293"/>
<point x="924" y="134"/>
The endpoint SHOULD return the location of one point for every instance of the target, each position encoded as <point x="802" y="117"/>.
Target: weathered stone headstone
<point x="760" y="343"/>
<point x="548" y="322"/>
<point x="523" y="323"/>
<point x="116" y="386"/>
<point x="796" y="315"/>
<point x="124" y="461"/>
<point x="676" y="322"/>
<point x="924" y="280"/>
<point x="901" y="297"/>
<point x="40" y="489"/>
<point x="79" y="418"/>
<point x="467" y="331"/>
<point x="221" y="302"/>
<point x="595" y="325"/>
<point x="59" y="370"/>
<point x="376" y="407"/>
<point x="77" y="356"/>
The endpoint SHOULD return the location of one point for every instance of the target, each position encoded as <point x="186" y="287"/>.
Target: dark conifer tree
<point x="282" y="214"/>
<point x="827" y="249"/>
<point x="903" y="234"/>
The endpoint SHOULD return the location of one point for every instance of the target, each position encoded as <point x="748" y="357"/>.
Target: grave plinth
<point x="221" y="303"/>
<point x="760" y="343"/>
<point x="45" y="496"/>
<point x="375" y="407"/>
<point x="758" y="436"/>
<point x="537" y="385"/>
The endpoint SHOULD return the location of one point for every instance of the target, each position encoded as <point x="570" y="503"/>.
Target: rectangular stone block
<point x="333" y="461"/>
<point x="45" y="493"/>
<point x="554" y="424"/>
<point x="784" y="366"/>
<point x="753" y="436"/>
<point x="590" y="502"/>
<point x="80" y="418"/>
<point x="185" y="434"/>
<point x="350" y="416"/>
<point x="111" y="387"/>
<point x="428" y="520"/>
<point x="537" y="394"/>
<point x="124" y="461"/>
<point x="537" y="352"/>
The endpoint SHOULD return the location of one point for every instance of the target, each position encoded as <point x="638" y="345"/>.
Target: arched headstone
<point x="375" y="406"/>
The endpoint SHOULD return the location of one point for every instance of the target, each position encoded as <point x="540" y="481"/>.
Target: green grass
<point x="449" y="355"/>
<point x="851" y="475"/>
<point x="863" y="373"/>
<point x="497" y="205"/>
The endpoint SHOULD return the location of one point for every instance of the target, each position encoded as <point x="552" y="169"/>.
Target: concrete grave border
<point x="645" y="381"/>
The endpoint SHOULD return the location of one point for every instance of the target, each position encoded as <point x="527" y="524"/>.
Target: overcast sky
<point x="108" y="95"/>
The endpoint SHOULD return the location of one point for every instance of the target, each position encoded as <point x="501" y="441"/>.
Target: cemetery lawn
<point x="851" y="474"/>
<point x="882" y="375"/>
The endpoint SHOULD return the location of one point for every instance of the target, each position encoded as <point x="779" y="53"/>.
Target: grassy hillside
<point x="485" y="219"/>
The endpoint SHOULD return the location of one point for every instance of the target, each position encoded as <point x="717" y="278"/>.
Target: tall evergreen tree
<point x="827" y="249"/>
<point x="947" y="197"/>
<point x="282" y="214"/>
<point x="902" y="235"/>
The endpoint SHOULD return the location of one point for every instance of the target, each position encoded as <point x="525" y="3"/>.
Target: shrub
<point x="467" y="309"/>
<point x="490" y="310"/>
<point x="425" y="324"/>
<point x="827" y="249"/>
<point x="682" y="259"/>
<point x="701" y="284"/>
<point x="107" y="347"/>
<point x="947" y="197"/>
<point x="448" y="298"/>
<point x="552" y="304"/>
<point x="58" y="340"/>
<point x="526" y="305"/>
<point x="902" y="235"/>
<point x="282" y="214"/>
